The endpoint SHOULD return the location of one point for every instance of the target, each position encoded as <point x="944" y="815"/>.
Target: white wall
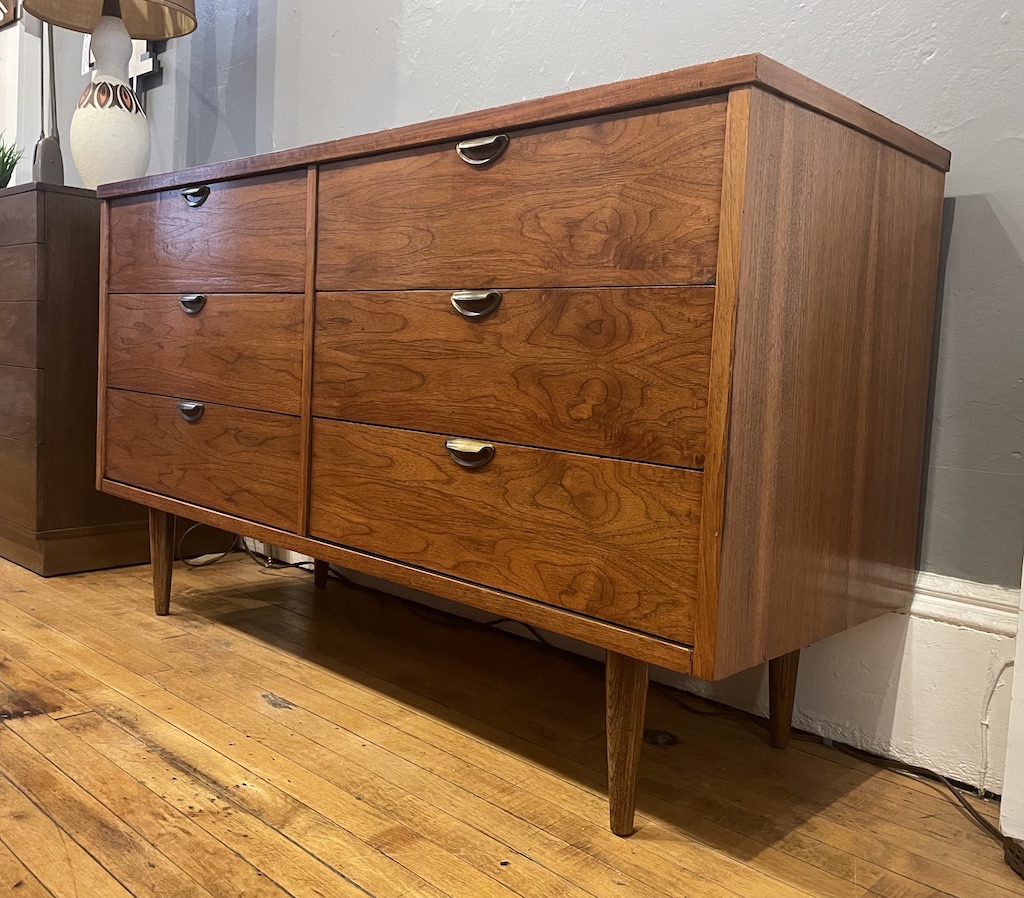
<point x="10" y="39"/>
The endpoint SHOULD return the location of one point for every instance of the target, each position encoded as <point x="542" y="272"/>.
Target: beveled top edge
<point x="45" y="187"/>
<point x="680" y="84"/>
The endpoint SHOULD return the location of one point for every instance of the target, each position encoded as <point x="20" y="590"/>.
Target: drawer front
<point x="21" y="391"/>
<point x="19" y="273"/>
<point x="238" y="461"/>
<point x="19" y="334"/>
<point x="19" y="495"/>
<point x="243" y="350"/>
<point x="21" y="218"/>
<point x="613" y="372"/>
<point x="619" y="200"/>
<point x="613" y="540"/>
<point x="248" y="236"/>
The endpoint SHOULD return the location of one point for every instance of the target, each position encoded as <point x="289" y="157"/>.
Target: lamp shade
<point x="148" y="20"/>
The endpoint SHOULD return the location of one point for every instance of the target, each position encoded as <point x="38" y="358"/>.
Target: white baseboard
<point x="963" y="603"/>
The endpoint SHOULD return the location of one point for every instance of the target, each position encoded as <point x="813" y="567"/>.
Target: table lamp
<point x="109" y="130"/>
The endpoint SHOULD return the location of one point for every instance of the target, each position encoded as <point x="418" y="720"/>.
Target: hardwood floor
<point x="269" y="739"/>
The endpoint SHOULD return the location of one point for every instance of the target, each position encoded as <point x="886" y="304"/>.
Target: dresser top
<point x="44" y="187"/>
<point x="680" y="84"/>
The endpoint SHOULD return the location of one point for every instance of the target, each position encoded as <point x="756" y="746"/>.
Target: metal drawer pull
<point x="482" y="150"/>
<point x="196" y="196"/>
<point x="469" y="453"/>
<point x="475" y="303"/>
<point x="191" y="411"/>
<point x="192" y="303"/>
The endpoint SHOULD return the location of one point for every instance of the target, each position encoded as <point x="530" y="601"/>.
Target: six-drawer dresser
<point x="645" y="364"/>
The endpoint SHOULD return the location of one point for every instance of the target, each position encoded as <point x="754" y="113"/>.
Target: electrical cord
<point x="900" y="767"/>
<point x="923" y="773"/>
<point x="181" y="540"/>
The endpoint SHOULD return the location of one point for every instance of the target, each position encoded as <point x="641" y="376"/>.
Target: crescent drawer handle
<point x="191" y="411"/>
<point x="192" y="303"/>
<point x="475" y="303"/>
<point x="469" y="453"/>
<point x="482" y="150"/>
<point x="196" y="196"/>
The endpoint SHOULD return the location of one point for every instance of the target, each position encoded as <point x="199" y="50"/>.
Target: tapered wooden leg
<point x="161" y="552"/>
<point x="320" y="569"/>
<point x="781" y="692"/>
<point x="625" y="703"/>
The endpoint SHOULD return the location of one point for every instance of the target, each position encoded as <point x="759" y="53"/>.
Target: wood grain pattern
<point x="248" y="237"/>
<point x="737" y="137"/>
<point x="19" y="272"/>
<point x="614" y="540"/>
<point x="789" y="83"/>
<point x="719" y="76"/>
<point x="236" y="460"/>
<point x="830" y="383"/>
<point x="243" y="350"/>
<point x="620" y="373"/>
<point x="616" y="200"/>
<point x="20" y="324"/>
<point x="161" y="553"/>
<point x="21" y="216"/>
<point x="654" y="649"/>
<point x="19" y="499"/>
<point x="782" y="673"/>
<point x="625" y="705"/>
<point x="308" y="338"/>
<point x="20" y="401"/>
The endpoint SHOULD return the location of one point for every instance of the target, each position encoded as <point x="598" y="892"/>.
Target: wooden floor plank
<point x="414" y="757"/>
<point x="878" y="855"/>
<point x="725" y="872"/>
<point x="17" y="879"/>
<point x="116" y="846"/>
<point x="216" y="868"/>
<point x="303" y="853"/>
<point x="864" y="863"/>
<point x="602" y="810"/>
<point x="48" y="851"/>
<point x="347" y="759"/>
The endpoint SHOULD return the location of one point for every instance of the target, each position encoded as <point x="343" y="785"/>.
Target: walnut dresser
<point x="645" y="364"/>
<point x="52" y="520"/>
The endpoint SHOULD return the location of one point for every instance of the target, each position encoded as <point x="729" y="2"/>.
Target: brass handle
<point x="192" y="303"/>
<point x="196" y="196"/>
<point x="482" y="150"/>
<point x="469" y="453"/>
<point x="475" y="303"/>
<point x="191" y="411"/>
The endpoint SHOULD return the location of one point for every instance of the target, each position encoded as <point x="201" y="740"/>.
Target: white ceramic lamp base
<point x="109" y="130"/>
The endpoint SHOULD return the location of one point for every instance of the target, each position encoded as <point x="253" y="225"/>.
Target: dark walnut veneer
<point x="690" y="431"/>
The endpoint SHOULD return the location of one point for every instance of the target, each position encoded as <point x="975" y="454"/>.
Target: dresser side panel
<point x="835" y="312"/>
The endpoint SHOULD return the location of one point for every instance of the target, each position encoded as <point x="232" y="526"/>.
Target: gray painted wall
<point x="260" y="76"/>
